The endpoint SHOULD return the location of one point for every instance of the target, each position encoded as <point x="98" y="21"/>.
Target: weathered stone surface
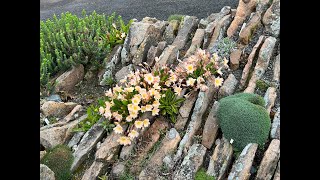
<point x="250" y="28"/>
<point x="155" y="52"/>
<point x="203" y="24"/>
<point x="168" y="145"/>
<point x="42" y="153"/>
<point x="57" y="109"/>
<point x="203" y="100"/>
<point x="219" y="31"/>
<point x="277" y="173"/>
<point x="241" y="168"/>
<point x="210" y="129"/>
<point x="54" y="97"/>
<point x="220" y="159"/>
<point x="46" y="173"/>
<point x="75" y="139"/>
<point x="72" y="114"/>
<point x="125" y="50"/>
<point x="69" y="79"/>
<point x="118" y="169"/>
<point x="229" y="86"/>
<point x="148" y="140"/>
<point x="123" y="72"/>
<point x="244" y="9"/>
<point x="271" y="19"/>
<point x="275" y="127"/>
<point x="114" y="60"/>
<point x="191" y="163"/>
<point x="171" y="31"/>
<point x="126" y="151"/>
<point x="235" y="59"/>
<point x="262" y="63"/>
<point x="94" y="171"/>
<point x="53" y="136"/>
<point x="214" y="19"/>
<point x="276" y="70"/>
<point x="185" y="110"/>
<point x="187" y="26"/>
<point x="168" y="56"/>
<point x="87" y="143"/>
<point x="246" y="69"/>
<point x="196" y="42"/>
<point x="270" y="98"/>
<point x="269" y="162"/>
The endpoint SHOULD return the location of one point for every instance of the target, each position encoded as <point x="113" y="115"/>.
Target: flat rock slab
<point x="46" y="173"/>
<point x="247" y="67"/>
<point x="276" y="70"/>
<point x="197" y="41"/>
<point x="94" y="171"/>
<point x="187" y="26"/>
<point x="53" y="136"/>
<point x="210" y="129"/>
<point x="191" y="163"/>
<point x="124" y="71"/>
<point x="250" y="28"/>
<point x="57" y="109"/>
<point x="219" y="32"/>
<point x="168" y="145"/>
<point x="185" y="110"/>
<point x="87" y="143"/>
<point x="171" y="31"/>
<point x="75" y="139"/>
<point x="275" y="127"/>
<point x="155" y="52"/>
<point x="277" y="173"/>
<point x="262" y="63"/>
<point x="168" y="56"/>
<point x="271" y="19"/>
<point x="220" y="159"/>
<point x="269" y="162"/>
<point x="241" y="168"/>
<point x="67" y="81"/>
<point x="270" y="98"/>
<point x="228" y="87"/>
<point x="235" y="59"/>
<point x="72" y="115"/>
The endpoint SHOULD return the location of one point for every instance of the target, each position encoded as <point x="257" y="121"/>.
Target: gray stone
<point x="219" y="32"/>
<point x="203" y="100"/>
<point x="171" y="31"/>
<point x="185" y="110"/>
<point x="276" y="70"/>
<point x="155" y="52"/>
<point x="269" y="161"/>
<point x="220" y="159"/>
<point x="67" y="81"/>
<point x="75" y="139"/>
<point x="191" y="163"/>
<point x="197" y="41"/>
<point x="241" y="168"/>
<point x="246" y="69"/>
<point x="187" y="26"/>
<point x="111" y="65"/>
<point x="118" y="169"/>
<point x="271" y="19"/>
<point x="168" y="56"/>
<point x="46" y="173"/>
<point x="270" y="98"/>
<point x="54" y="97"/>
<point x="168" y="145"/>
<point x="42" y="153"/>
<point x="57" y="109"/>
<point x="94" y="171"/>
<point x="210" y="129"/>
<point x="123" y="72"/>
<point x="214" y="19"/>
<point x="250" y="28"/>
<point x="50" y="137"/>
<point x="87" y="143"/>
<point x="277" y="173"/>
<point x="203" y="24"/>
<point x="275" y="127"/>
<point x="72" y="115"/>
<point x="228" y="87"/>
<point x="262" y="63"/>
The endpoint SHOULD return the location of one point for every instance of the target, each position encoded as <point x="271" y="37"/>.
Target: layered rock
<point x="271" y="19"/>
<point x="187" y="26"/>
<point x="275" y="127"/>
<point x="210" y="129"/>
<point x="67" y="81"/>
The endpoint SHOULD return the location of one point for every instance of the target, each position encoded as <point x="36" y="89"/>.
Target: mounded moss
<point x="177" y="17"/>
<point x="243" y="118"/>
<point x="201" y="175"/>
<point x="59" y="160"/>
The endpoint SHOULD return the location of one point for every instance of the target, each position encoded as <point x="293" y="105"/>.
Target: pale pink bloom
<point x="149" y="107"/>
<point x="146" y="122"/>
<point x="190" y="82"/>
<point x="218" y="82"/>
<point x="129" y="118"/>
<point x="133" y="134"/>
<point x="101" y="110"/>
<point x="155" y="111"/>
<point x="203" y="87"/>
<point x="149" y="78"/>
<point x="123" y="140"/>
<point x="109" y="93"/>
<point x="118" y="129"/>
<point x="138" y="124"/>
<point x="177" y="90"/>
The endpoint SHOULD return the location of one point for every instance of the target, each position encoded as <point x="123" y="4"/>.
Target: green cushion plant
<point x="243" y="118"/>
<point x="59" y="160"/>
<point x="202" y="175"/>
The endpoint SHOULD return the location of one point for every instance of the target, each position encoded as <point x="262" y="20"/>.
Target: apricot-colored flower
<point x="149" y="78"/>
<point x="177" y="90"/>
<point x="190" y="82"/>
<point x="118" y="129"/>
<point x="138" y="124"/>
<point x="123" y="140"/>
<point x="146" y="122"/>
<point x="133" y="134"/>
<point x="218" y="81"/>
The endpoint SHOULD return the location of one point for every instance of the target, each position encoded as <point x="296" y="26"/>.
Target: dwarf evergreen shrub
<point x="71" y="40"/>
<point x="59" y="160"/>
<point x="243" y="118"/>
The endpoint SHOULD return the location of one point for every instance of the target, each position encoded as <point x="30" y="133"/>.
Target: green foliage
<point x="71" y="40"/>
<point x="59" y="160"/>
<point x="126" y="176"/>
<point x="93" y="117"/>
<point x="225" y="46"/>
<point x="202" y="175"/>
<point x="177" y="17"/>
<point x="244" y="119"/>
<point x="262" y="85"/>
<point x="109" y="81"/>
<point x="170" y="104"/>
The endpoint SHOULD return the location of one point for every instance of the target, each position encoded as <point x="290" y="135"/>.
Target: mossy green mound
<point x="243" y="118"/>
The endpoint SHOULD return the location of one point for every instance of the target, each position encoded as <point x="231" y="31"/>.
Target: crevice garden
<point x="185" y="98"/>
